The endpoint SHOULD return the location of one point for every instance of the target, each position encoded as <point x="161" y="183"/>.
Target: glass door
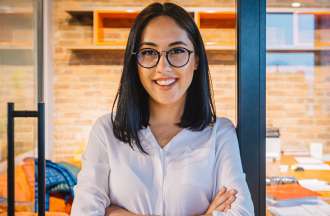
<point x="298" y="107"/>
<point x="18" y="84"/>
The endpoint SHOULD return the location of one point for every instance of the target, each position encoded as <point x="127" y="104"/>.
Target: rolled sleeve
<point x="230" y="173"/>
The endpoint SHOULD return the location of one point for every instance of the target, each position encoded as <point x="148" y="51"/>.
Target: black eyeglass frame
<point x="166" y="55"/>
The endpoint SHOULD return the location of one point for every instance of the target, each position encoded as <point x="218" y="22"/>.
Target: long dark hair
<point x="132" y="113"/>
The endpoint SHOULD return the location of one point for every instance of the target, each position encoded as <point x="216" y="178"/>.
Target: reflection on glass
<point x="279" y="29"/>
<point x="298" y="106"/>
<point x="18" y="84"/>
<point x="306" y="28"/>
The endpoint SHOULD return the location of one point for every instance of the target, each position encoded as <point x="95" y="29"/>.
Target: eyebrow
<point x="171" y="44"/>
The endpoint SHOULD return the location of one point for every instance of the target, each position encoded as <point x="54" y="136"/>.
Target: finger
<point x="221" y="191"/>
<point x="230" y="200"/>
<point x="223" y="198"/>
<point x="227" y="208"/>
<point x="226" y="203"/>
<point x="232" y="191"/>
<point x="213" y="204"/>
<point x="220" y="205"/>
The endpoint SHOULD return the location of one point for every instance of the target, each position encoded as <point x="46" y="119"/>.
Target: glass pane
<point x="298" y="105"/>
<point x="18" y="84"/>
<point x="279" y="29"/>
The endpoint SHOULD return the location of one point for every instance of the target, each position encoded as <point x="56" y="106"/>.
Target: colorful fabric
<point x="59" y="177"/>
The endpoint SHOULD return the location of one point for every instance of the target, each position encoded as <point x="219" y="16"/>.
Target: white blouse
<point x="179" y="179"/>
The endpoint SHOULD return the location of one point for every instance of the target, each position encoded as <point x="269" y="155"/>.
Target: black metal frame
<point x="251" y="79"/>
<point x="40" y="49"/>
<point x="12" y="114"/>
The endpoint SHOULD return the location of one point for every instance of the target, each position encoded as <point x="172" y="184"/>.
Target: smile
<point x="165" y="82"/>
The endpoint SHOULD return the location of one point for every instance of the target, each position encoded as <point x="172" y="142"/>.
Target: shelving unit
<point x="96" y="47"/>
<point x="15" y="11"/>
<point x="106" y="21"/>
<point x="15" y="46"/>
<point x="122" y="47"/>
<point x="16" y="41"/>
<point x="207" y="47"/>
<point x="298" y="49"/>
<point x="216" y="19"/>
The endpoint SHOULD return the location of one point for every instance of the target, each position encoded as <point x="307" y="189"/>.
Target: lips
<point x="165" y="83"/>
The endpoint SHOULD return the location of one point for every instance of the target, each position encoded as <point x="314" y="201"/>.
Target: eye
<point x="177" y="50"/>
<point x="148" y="52"/>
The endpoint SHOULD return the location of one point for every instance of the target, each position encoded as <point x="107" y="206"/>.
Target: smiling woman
<point x="164" y="151"/>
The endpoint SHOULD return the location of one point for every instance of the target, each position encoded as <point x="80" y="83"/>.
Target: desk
<point x="273" y="169"/>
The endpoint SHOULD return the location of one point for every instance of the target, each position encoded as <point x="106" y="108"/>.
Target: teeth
<point x="165" y="82"/>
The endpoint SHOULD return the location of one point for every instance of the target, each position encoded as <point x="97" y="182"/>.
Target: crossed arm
<point x="222" y="202"/>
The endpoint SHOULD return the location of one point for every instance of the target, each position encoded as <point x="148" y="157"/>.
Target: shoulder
<point x="223" y="125"/>
<point x="104" y="119"/>
<point x="102" y="124"/>
<point x="225" y="134"/>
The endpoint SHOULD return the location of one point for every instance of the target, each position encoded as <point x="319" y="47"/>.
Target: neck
<point x="166" y="114"/>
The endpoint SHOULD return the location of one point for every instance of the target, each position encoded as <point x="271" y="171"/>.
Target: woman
<point x="164" y="152"/>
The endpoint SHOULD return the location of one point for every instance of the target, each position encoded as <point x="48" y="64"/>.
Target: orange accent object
<point x="111" y="20"/>
<point x="23" y="191"/>
<point x="218" y="15"/>
<point x="56" y="204"/>
<point x="36" y="214"/>
<point x="289" y="191"/>
<point x="28" y="167"/>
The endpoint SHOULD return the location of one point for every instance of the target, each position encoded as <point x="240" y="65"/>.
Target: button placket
<point x="163" y="160"/>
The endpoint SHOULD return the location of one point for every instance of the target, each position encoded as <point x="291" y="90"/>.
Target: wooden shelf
<point x="110" y="20"/>
<point x="96" y="47"/>
<point x="78" y="12"/>
<point x="121" y="46"/>
<point x="15" y="11"/>
<point x="297" y="49"/>
<point x="317" y="11"/>
<point x="216" y="19"/>
<point x="105" y="20"/>
<point x="219" y="47"/>
<point x="14" y="46"/>
<point x="208" y="46"/>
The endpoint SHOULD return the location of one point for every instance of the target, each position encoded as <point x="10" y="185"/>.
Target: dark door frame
<point x="251" y="100"/>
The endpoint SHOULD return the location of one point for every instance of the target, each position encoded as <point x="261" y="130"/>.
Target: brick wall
<point x="17" y="74"/>
<point x="17" y="85"/>
<point x="86" y="82"/>
<point x="299" y="104"/>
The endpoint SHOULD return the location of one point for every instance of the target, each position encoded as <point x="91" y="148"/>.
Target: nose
<point x="163" y="66"/>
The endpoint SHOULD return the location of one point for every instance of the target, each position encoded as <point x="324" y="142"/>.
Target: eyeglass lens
<point x="176" y="57"/>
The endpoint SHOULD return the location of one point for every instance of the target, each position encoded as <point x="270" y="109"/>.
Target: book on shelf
<point x="290" y="195"/>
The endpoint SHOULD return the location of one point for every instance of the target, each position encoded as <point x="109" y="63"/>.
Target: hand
<point x="222" y="201"/>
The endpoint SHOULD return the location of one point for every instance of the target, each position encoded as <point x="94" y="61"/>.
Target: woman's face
<point x="165" y="83"/>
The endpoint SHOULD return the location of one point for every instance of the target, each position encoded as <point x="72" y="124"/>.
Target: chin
<point x="168" y="100"/>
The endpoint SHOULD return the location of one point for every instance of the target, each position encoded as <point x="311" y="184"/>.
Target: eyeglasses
<point x="176" y="57"/>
